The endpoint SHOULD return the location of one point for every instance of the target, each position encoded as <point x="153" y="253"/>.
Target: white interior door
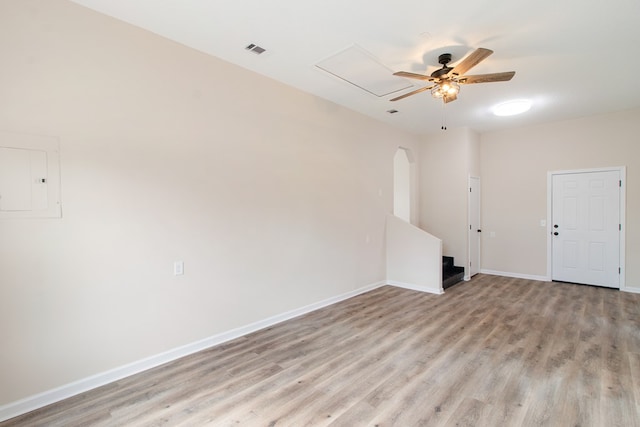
<point x="586" y="228"/>
<point x="474" y="226"/>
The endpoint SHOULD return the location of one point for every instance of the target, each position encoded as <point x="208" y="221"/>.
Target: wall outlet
<point x="178" y="268"/>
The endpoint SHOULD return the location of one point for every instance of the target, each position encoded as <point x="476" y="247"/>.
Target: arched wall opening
<point x="402" y="183"/>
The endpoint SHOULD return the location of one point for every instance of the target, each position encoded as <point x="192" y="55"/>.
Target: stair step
<point x="447" y="262"/>
<point x="451" y="274"/>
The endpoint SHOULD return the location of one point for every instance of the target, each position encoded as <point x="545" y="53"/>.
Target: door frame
<point x="470" y="231"/>
<point x="623" y="195"/>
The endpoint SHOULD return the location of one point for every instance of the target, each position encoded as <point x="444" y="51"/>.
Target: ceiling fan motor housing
<point x="443" y="59"/>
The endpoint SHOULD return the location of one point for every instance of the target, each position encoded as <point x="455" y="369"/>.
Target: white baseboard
<point x="516" y="275"/>
<point x="629" y="289"/>
<point x="68" y="390"/>
<point x="414" y="287"/>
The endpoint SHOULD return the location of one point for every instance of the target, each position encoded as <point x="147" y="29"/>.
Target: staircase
<point x="450" y="273"/>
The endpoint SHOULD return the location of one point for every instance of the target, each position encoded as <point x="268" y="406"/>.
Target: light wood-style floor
<point x="493" y="351"/>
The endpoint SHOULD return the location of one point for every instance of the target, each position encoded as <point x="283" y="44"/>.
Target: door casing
<point x="623" y="175"/>
<point x="474" y="225"/>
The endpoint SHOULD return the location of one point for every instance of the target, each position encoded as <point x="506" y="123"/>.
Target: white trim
<point x="623" y="203"/>
<point x="623" y="224"/>
<point x="467" y="270"/>
<point x="415" y="287"/>
<point x="516" y="275"/>
<point x="549" y="225"/>
<point x="631" y="290"/>
<point x="48" y="397"/>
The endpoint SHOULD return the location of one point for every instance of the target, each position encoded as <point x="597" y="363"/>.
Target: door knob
<point x="555" y="225"/>
<point x="555" y="233"/>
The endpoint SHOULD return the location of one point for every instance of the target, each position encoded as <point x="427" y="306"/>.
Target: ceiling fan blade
<point x="413" y="75"/>
<point x="471" y="61"/>
<point x="450" y="98"/>
<point x="422" y="89"/>
<point x="486" y="78"/>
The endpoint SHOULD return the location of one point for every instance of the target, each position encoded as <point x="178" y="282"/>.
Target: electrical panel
<point x="29" y="176"/>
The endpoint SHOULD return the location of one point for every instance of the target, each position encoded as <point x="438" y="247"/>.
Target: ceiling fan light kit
<point x="446" y="89"/>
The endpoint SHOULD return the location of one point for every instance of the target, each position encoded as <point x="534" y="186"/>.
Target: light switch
<point x="178" y="268"/>
<point x="543" y="223"/>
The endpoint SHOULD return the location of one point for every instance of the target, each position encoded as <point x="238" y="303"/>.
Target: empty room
<point x="319" y="213"/>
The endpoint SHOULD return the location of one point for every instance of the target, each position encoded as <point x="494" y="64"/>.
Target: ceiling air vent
<point x="392" y="111"/>
<point x="255" y="48"/>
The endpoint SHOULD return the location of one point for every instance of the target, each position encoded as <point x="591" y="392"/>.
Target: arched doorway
<point x="402" y="189"/>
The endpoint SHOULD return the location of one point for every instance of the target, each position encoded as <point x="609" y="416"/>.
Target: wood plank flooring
<point x="493" y="351"/>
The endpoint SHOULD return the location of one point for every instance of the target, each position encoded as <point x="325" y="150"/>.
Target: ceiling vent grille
<point x="255" y="48"/>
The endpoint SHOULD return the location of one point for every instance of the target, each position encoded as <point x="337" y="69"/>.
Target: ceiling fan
<point x="447" y="80"/>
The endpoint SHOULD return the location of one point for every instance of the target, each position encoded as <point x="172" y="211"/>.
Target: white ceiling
<point x="572" y="58"/>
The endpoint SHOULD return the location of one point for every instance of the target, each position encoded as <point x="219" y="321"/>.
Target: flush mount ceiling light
<point x="511" y="108"/>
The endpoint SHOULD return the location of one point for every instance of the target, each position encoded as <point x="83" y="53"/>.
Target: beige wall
<point x="274" y="199"/>
<point x="414" y="257"/>
<point x="447" y="159"/>
<point x="515" y="164"/>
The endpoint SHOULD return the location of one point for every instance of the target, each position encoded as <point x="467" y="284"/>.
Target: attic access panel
<point x="360" y="68"/>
